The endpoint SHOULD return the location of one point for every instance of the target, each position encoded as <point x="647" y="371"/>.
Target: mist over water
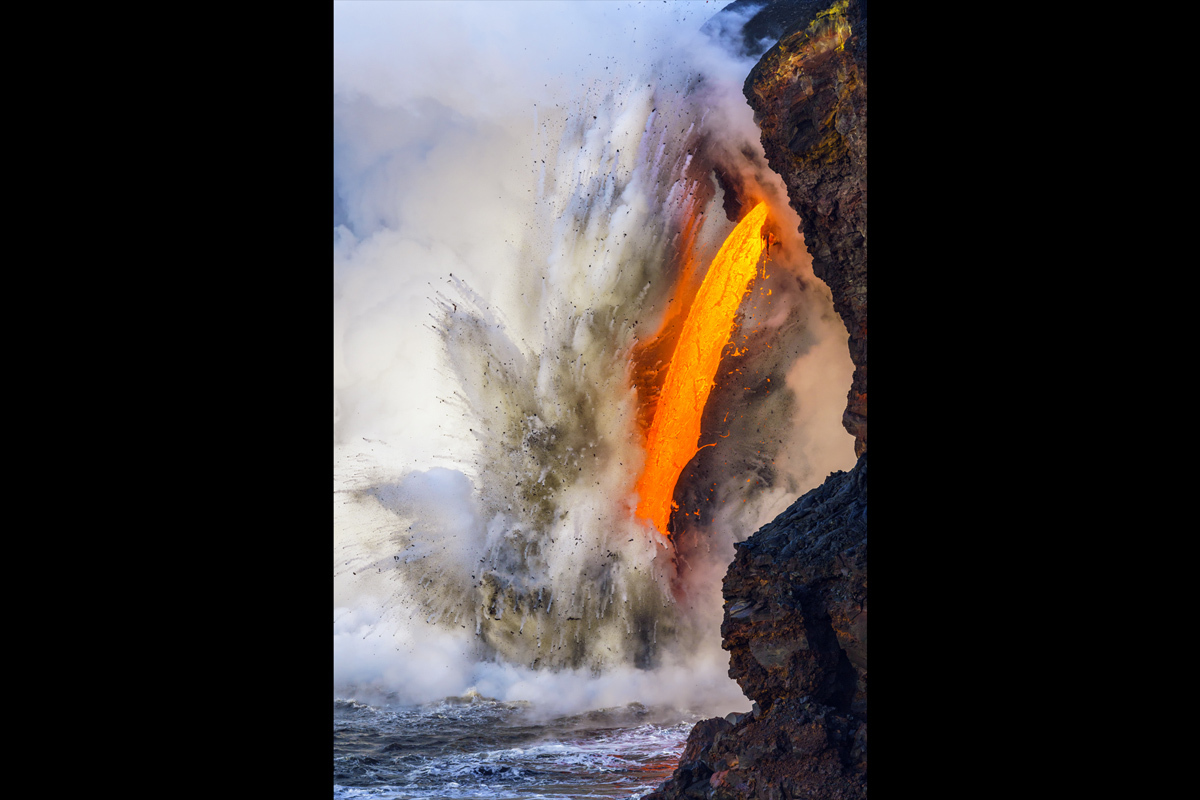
<point x="516" y="189"/>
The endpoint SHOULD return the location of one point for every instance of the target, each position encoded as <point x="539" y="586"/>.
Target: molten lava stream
<point x="675" y="432"/>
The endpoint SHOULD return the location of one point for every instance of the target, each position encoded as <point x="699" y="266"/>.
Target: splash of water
<point x="510" y="534"/>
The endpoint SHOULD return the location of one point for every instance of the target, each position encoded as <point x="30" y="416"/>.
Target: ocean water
<point x="476" y="747"/>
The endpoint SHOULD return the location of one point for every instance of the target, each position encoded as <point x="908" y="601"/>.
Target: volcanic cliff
<point x="796" y="593"/>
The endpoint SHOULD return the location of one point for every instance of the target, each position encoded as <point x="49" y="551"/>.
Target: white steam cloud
<point x="510" y="185"/>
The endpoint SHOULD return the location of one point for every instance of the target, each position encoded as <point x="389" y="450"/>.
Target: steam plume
<point x="513" y="187"/>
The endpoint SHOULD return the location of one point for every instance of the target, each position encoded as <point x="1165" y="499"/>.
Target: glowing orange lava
<point x="675" y="432"/>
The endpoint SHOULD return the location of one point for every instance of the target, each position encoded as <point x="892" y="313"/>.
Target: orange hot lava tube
<point x="675" y="432"/>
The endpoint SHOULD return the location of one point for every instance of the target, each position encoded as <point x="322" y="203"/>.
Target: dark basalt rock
<point x="796" y="600"/>
<point x="809" y="95"/>
<point x="795" y="628"/>
<point x="795" y="619"/>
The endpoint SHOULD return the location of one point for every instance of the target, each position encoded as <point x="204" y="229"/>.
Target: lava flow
<point x="675" y="432"/>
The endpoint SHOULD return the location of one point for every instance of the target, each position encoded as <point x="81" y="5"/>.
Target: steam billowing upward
<point x="526" y="199"/>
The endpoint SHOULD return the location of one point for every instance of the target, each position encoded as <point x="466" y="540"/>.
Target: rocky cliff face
<point x="809" y="95"/>
<point x="795" y="619"/>
<point x="796" y="631"/>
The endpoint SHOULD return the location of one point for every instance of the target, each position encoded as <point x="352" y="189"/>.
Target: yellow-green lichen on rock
<point x="785" y="73"/>
<point x="829" y="30"/>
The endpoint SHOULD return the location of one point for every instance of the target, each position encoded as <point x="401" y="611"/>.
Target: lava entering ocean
<point x="504" y="375"/>
<point x="675" y="432"/>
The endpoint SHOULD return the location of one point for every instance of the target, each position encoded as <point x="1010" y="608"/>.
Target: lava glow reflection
<point x="675" y="432"/>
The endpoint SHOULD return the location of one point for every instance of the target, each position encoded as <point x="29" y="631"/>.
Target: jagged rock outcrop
<point x="796" y="600"/>
<point x="795" y="619"/>
<point x="796" y="630"/>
